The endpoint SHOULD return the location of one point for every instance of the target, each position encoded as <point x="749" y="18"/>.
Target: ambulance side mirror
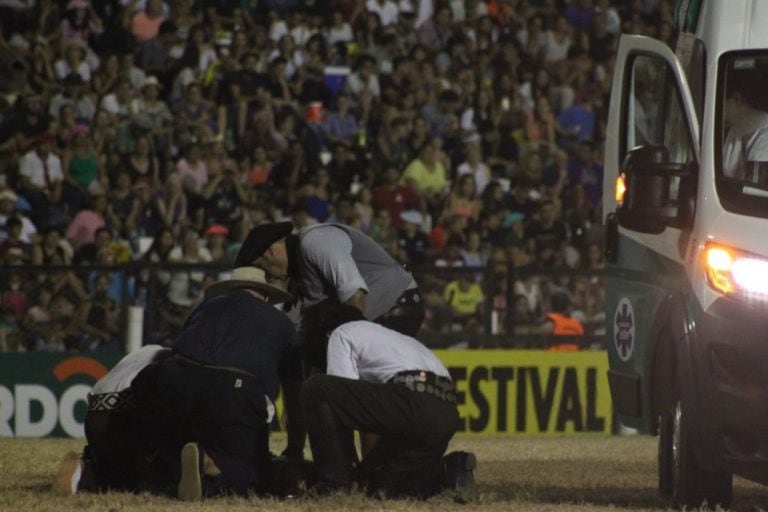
<point x="658" y="193"/>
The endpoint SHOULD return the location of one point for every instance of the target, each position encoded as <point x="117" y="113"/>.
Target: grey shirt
<point x="337" y="260"/>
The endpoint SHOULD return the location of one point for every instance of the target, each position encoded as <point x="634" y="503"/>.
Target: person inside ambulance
<point x="745" y="116"/>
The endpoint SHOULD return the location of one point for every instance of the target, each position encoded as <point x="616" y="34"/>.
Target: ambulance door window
<point x="655" y="114"/>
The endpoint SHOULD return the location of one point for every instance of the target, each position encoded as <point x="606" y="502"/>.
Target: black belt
<point x="218" y="367"/>
<point x="411" y="296"/>
<point x="407" y="298"/>
<point x="116" y="401"/>
<point x="427" y="382"/>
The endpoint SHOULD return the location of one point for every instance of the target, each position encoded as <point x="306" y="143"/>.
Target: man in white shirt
<point x="380" y="381"/>
<point x="745" y="113"/>
<point x="41" y="175"/>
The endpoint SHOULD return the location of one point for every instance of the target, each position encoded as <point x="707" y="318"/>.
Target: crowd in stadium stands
<point x="454" y="132"/>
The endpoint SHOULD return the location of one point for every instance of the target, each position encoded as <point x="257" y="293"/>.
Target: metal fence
<point x="107" y="307"/>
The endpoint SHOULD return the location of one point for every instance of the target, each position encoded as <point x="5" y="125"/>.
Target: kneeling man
<point x="378" y="380"/>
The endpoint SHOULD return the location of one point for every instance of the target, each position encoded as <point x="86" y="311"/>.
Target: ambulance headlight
<point x="735" y="272"/>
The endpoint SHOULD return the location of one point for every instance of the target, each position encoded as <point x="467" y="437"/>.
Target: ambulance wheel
<point x="691" y="485"/>
<point x="664" y="459"/>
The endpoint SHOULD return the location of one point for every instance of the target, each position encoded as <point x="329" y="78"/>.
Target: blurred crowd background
<point x="465" y="136"/>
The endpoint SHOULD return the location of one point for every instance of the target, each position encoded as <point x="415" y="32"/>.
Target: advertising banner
<point x="531" y="391"/>
<point x="46" y="394"/>
<point x="499" y="391"/>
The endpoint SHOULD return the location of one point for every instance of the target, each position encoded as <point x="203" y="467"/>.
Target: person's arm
<point x="358" y="300"/>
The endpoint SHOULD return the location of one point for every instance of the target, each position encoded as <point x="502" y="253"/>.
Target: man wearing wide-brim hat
<point x="213" y="398"/>
<point x="340" y="262"/>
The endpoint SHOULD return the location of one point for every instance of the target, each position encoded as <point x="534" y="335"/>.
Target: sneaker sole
<point x="68" y="476"/>
<point x="190" y="486"/>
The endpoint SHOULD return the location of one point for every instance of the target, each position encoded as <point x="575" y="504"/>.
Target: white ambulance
<point x="686" y="213"/>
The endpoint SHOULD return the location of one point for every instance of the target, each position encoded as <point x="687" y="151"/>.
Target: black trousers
<point x="407" y="315"/>
<point x="415" y="429"/>
<point x="117" y="448"/>
<point x="225" y="412"/>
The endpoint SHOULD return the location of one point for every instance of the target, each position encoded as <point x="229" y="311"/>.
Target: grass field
<point x="519" y="473"/>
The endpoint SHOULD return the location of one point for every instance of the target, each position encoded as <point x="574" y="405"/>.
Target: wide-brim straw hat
<point x="251" y="278"/>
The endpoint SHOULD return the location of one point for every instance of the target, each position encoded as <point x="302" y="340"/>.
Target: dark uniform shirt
<point x="239" y="330"/>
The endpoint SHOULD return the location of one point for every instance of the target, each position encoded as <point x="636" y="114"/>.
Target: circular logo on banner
<point x="624" y="329"/>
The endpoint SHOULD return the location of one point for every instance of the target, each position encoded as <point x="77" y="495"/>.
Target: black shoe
<point x="191" y="484"/>
<point x="459" y="470"/>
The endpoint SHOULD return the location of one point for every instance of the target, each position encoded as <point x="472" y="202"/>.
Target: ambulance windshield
<point x="742" y="176"/>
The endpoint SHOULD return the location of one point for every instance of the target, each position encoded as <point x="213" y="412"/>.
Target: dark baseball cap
<point x="259" y="239"/>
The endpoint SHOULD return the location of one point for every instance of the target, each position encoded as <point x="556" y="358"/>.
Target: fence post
<point x="134" y="336"/>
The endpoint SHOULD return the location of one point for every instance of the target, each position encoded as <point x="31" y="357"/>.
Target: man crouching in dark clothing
<point x="378" y="380"/>
<point x="212" y="400"/>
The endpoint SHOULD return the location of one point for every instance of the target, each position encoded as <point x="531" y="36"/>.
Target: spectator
<point x="559" y="41"/>
<point x="581" y="14"/>
<point x="120" y="286"/>
<point x="42" y="177"/>
<point x="426" y="174"/>
<point x="341" y="126"/>
<point x="412" y="240"/>
<point x="392" y="144"/>
<point x="145" y="218"/>
<point x="142" y="163"/>
<point x="364" y="210"/>
<point x="546" y="229"/>
<point x="224" y="196"/>
<point x="472" y="255"/>
<point x="76" y="94"/>
<point x="171" y="203"/>
<point x="81" y="22"/>
<point x="13" y="250"/>
<point x="186" y="286"/>
<point x="364" y="79"/>
<point x="38" y="323"/>
<point x="145" y="24"/>
<point x="340" y="31"/>
<point x="151" y="115"/>
<point x="74" y="62"/>
<point x="156" y="55"/>
<point x="106" y="77"/>
<point x="383" y="233"/>
<point x="395" y="198"/>
<point x="436" y="31"/>
<point x="440" y="115"/>
<point x="82" y="229"/>
<point x="315" y="196"/>
<point x="216" y="243"/>
<point x="344" y="170"/>
<point x="194" y="120"/>
<point x="83" y="166"/>
<point x="8" y="200"/>
<point x="97" y="318"/>
<point x="52" y="247"/>
<point x="463" y="201"/>
<point x="465" y="298"/>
